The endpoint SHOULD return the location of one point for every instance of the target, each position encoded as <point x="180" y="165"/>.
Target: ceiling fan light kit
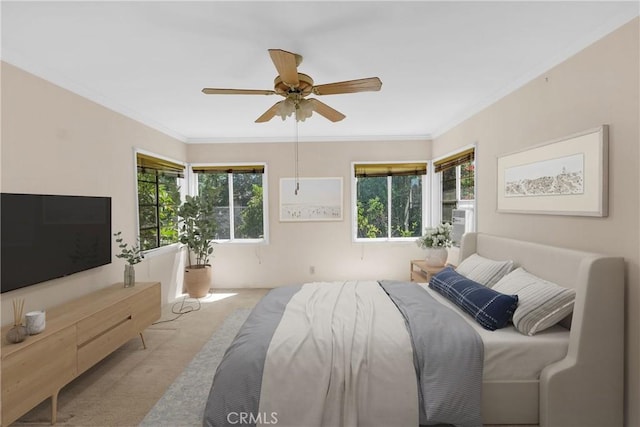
<point x="302" y="108"/>
<point x="295" y="87"/>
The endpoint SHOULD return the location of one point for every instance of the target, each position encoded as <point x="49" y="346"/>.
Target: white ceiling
<point x="439" y="61"/>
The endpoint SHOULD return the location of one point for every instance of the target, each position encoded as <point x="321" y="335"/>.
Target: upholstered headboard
<point x="585" y="388"/>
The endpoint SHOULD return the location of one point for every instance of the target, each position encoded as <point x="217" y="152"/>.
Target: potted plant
<point x="132" y="255"/>
<point x="197" y="232"/>
<point x="436" y="240"/>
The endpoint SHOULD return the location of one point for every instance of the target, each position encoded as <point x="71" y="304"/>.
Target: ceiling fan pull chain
<point x="297" y="174"/>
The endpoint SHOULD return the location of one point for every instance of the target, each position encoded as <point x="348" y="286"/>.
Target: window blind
<point x="150" y="164"/>
<point x="363" y="170"/>
<point x="229" y="169"/>
<point x="454" y="160"/>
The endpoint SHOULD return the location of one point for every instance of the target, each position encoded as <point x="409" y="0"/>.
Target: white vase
<point x="436" y="257"/>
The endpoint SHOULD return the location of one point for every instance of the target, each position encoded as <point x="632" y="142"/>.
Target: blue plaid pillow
<point x="491" y="309"/>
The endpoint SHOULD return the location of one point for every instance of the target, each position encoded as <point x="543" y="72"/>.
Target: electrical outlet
<point x="312" y="269"/>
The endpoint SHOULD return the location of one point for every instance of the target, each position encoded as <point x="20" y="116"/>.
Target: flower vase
<point x="129" y="276"/>
<point x="436" y="257"/>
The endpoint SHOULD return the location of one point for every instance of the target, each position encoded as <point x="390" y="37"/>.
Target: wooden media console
<point x="78" y="334"/>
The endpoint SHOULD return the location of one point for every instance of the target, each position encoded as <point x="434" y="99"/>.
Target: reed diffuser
<point x="19" y="332"/>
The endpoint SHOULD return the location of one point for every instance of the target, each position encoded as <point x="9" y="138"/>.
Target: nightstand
<point x="421" y="272"/>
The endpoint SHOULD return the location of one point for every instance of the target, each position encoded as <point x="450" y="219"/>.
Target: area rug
<point x="184" y="401"/>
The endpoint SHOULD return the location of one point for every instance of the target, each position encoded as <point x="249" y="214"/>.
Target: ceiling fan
<point x="295" y="87"/>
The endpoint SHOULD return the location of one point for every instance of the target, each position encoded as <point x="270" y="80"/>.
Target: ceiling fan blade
<point x="269" y="114"/>
<point x="371" y="84"/>
<point x="286" y="64"/>
<point x="214" y="91"/>
<point x="326" y="111"/>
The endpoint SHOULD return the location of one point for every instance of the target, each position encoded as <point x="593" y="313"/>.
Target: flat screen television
<point x="49" y="236"/>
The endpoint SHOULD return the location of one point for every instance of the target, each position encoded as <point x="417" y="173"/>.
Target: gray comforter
<point x="448" y="359"/>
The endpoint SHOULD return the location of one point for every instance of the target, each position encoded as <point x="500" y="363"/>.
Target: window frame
<point x="193" y="179"/>
<point x="436" y="188"/>
<point x="183" y="192"/>
<point x="426" y="185"/>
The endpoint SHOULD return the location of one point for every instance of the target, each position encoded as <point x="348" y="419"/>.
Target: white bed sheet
<point x="510" y="355"/>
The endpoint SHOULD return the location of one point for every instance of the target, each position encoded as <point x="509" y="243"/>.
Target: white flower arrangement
<point x="436" y="237"/>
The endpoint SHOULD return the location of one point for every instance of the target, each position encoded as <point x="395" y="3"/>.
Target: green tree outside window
<point x="377" y="218"/>
<point x="158" y="201"/>
<point x="245" y="203"/>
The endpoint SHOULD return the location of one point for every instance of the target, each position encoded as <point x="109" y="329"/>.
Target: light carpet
<point x="184" y="401"/>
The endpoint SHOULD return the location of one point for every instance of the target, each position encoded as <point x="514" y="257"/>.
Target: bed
<point x="420" y="359"/>
<point x="585" y="388"/>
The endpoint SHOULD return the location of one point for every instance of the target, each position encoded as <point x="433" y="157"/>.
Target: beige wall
<point x="56" y="142"/>
<point x="599" y="85"/>
<point x="294" y="247"/>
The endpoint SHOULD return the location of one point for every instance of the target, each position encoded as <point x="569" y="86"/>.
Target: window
<point x="455" y="175"/>
<point x="237" y="193"/>
<point x="389" y="200"/>
<point x="449" y="193"/>
<point x="457" y="179"/>
<point x="159" y="186"/>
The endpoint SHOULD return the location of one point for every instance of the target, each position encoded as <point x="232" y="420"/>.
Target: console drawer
<point x="101" y="346"/>
<point x="98" y="323"/>
<point x="146" y="307"/>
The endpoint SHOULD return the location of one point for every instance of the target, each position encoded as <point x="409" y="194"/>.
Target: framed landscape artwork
<point x="562" y="177"/>
<point x="316" y="199"/>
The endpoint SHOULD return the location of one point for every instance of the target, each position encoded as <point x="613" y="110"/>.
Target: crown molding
<point x="65" y="82"/>
<point x="542" y="68"/>
<point x="58" y="79"/>
<point x="288" y="139"/>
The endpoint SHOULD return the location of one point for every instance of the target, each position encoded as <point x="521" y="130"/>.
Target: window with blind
<point x="159" y="186"/>
<point x="457" y="182"/>
<point x="237" y="194"/>
<point x="389" y="200"/>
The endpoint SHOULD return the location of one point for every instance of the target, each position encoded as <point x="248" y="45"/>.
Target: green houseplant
<point x="197" y="232"/>
<point x="133" y="255"/>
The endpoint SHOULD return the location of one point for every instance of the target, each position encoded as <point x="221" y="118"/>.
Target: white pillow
<point x="483" y="270"/>
<point x="541" y="304"/>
